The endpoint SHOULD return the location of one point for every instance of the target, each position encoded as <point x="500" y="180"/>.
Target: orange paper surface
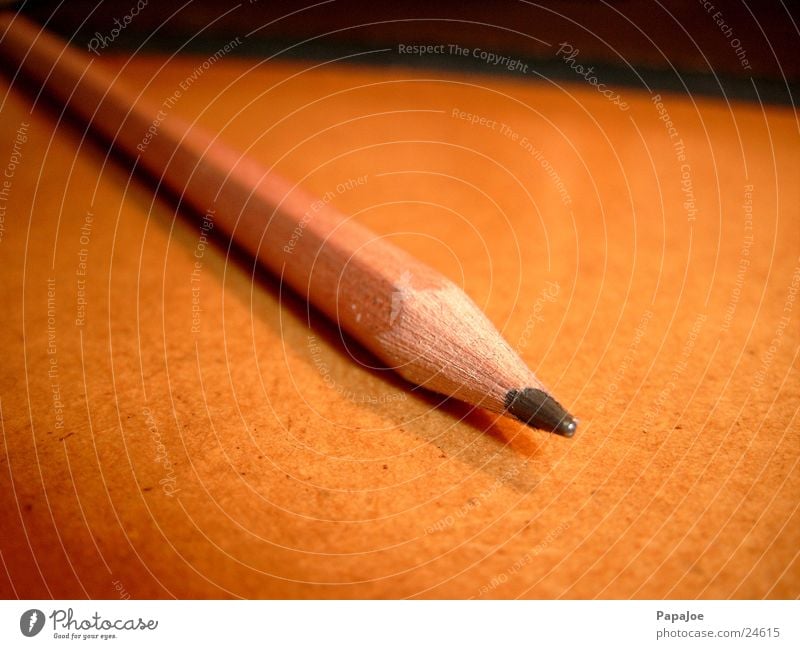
<point x="176" y="424"/>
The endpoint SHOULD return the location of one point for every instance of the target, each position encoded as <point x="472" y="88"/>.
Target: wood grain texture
<point x="261" y="456"/>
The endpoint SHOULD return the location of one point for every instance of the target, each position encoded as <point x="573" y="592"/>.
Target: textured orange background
<point x="258" y="458"/>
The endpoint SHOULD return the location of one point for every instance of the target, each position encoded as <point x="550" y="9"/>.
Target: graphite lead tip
<point x="539" y="410"/>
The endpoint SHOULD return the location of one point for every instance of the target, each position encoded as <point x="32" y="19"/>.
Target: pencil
<point x="415" y="320"/>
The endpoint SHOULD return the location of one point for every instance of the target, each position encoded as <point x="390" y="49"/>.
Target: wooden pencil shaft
<point x="413" y="318"/>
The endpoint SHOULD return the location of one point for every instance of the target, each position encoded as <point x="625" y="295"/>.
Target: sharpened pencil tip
<point x="539" y="410"/>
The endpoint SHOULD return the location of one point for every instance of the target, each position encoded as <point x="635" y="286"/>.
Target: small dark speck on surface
<point x="61" y="439"/>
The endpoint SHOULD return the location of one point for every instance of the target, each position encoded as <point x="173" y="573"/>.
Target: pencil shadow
<point x="499" y="447"/>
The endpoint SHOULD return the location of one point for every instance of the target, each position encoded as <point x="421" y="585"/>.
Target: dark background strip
<point x="734" y="50"/>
